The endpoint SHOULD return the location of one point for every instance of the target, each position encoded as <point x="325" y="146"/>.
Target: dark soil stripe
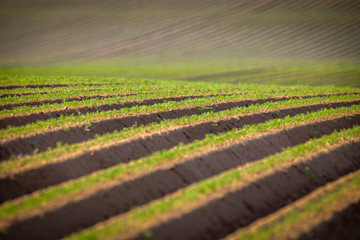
<point x="343" y="225"/>
<point x="34" y="86"/>
<point x="174" y="98"/>
<point x="50" y="85"/>
<point x="31" y="118"/>
<point x="239" y="209"/>
<point x="79" y="98"/>
<point x="76" y="134"/>
<point x="41" y="142"/>
<point x="123" y="197"/>
<point x="23" y="120"/>
<point x="45" y="92"/>
<point x="57" y="90"/>
<point x="51" y="174"/>
<point x="38" y="103"/>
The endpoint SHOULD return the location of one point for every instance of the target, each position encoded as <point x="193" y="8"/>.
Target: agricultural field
<point x="180" y="119"/>
<point x="132" y="158"/>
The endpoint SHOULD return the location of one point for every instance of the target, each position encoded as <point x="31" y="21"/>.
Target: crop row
<point x="8" y="80"/>
<point x="64" y="151"/>
<point x="141" y="97"/>
<point x="318" y="206"/>
<point x="37" y="175"/>
<point x="109" y="101"/>
<point x="89" y="118"/>
<point x="80" y="188"/>
<point x="108" y="83"/>
<point x="185" y="200"/>
<point x="112" y="92"/>
<point x="32" y="100"/>
<point x="74" y="94"/>
<point x="143" y="87"/>
<point x="97" y="116"/>
<point x="46" y="90"/>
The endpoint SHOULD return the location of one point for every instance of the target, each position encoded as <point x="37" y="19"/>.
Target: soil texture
<point x="259" y="199"/>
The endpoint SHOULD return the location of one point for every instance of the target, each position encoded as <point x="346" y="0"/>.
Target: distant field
<point x="125" y="158"/>
<point x="254" y="41"/>
<point x="315" y="74"/>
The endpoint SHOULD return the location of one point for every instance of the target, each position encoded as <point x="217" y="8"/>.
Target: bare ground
<point x="276" y="190"/>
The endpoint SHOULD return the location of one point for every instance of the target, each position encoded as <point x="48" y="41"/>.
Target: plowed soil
<point x="128" y="104"/>
<point x="41" y="142"/>
<point x="38" y="103"/>
<point x="343" y="225"/>
<point x="238" y="209"/>
<point x="46" y="92"/>
<point x="48" y="85"/>
<point x="222" y="216"/>
<point x="120" y="45"/>
<point x="33" y="117"/>
<point x="42" y="177"/>
<point x="23" y="120"/>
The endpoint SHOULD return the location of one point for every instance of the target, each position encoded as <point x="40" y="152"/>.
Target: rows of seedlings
<point x="226" y="163"/>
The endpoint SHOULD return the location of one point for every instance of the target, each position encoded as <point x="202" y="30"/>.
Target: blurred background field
<point x="252" y="41"/>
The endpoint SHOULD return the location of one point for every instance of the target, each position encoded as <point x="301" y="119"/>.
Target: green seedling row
<point x="295" y="215"/>
<point x="82" y="91"/>
<point x="53" y="95"/>
<point x="47" y="90"/>
<point x="10" y="80"/>
<point x="146" y="87"/>
<point x="73" y="94"/>
<point x="106" y="92"/>
<point x="107" y="101"/>
<point x="65" y="121"/>
<point x="203" y="189"/>
<point x="148" y="164"/>
<point x="118" y="99"/>
<point x="48" y="156"/>
<point x="23" y="80"/>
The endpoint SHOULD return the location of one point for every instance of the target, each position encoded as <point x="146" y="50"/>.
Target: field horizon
<point x="292" y="42"/>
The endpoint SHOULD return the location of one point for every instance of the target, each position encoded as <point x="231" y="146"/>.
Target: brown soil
<point x="48" y="85"/>
<point x="343" y="225"/>
<point x="43" y="116"/>
<point x="238" y="209"/>
<point x="119" y="199"/>
<point x="51" y="174"/>
<point x="46" y="92"/>
<point x="79" y="98"/>
<point x="42" y="142"/>
<point x="25" y="119"/>
<point x="38" y="103"/>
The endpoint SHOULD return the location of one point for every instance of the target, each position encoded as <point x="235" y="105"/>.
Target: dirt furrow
<point x="41" y="142"/>
<point x="4" y="95"/>
<point x="123" y="197"/>
<point x="25" y="119"/>
<point x="240" y="208"/>
<point x="20" y="120"/>
<point x="60" y="100"/>
<point x="49" y="85"/>
<point x="29" y="181"/>
<point x="343" y="225"/>
<point x="36" y="102"/>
